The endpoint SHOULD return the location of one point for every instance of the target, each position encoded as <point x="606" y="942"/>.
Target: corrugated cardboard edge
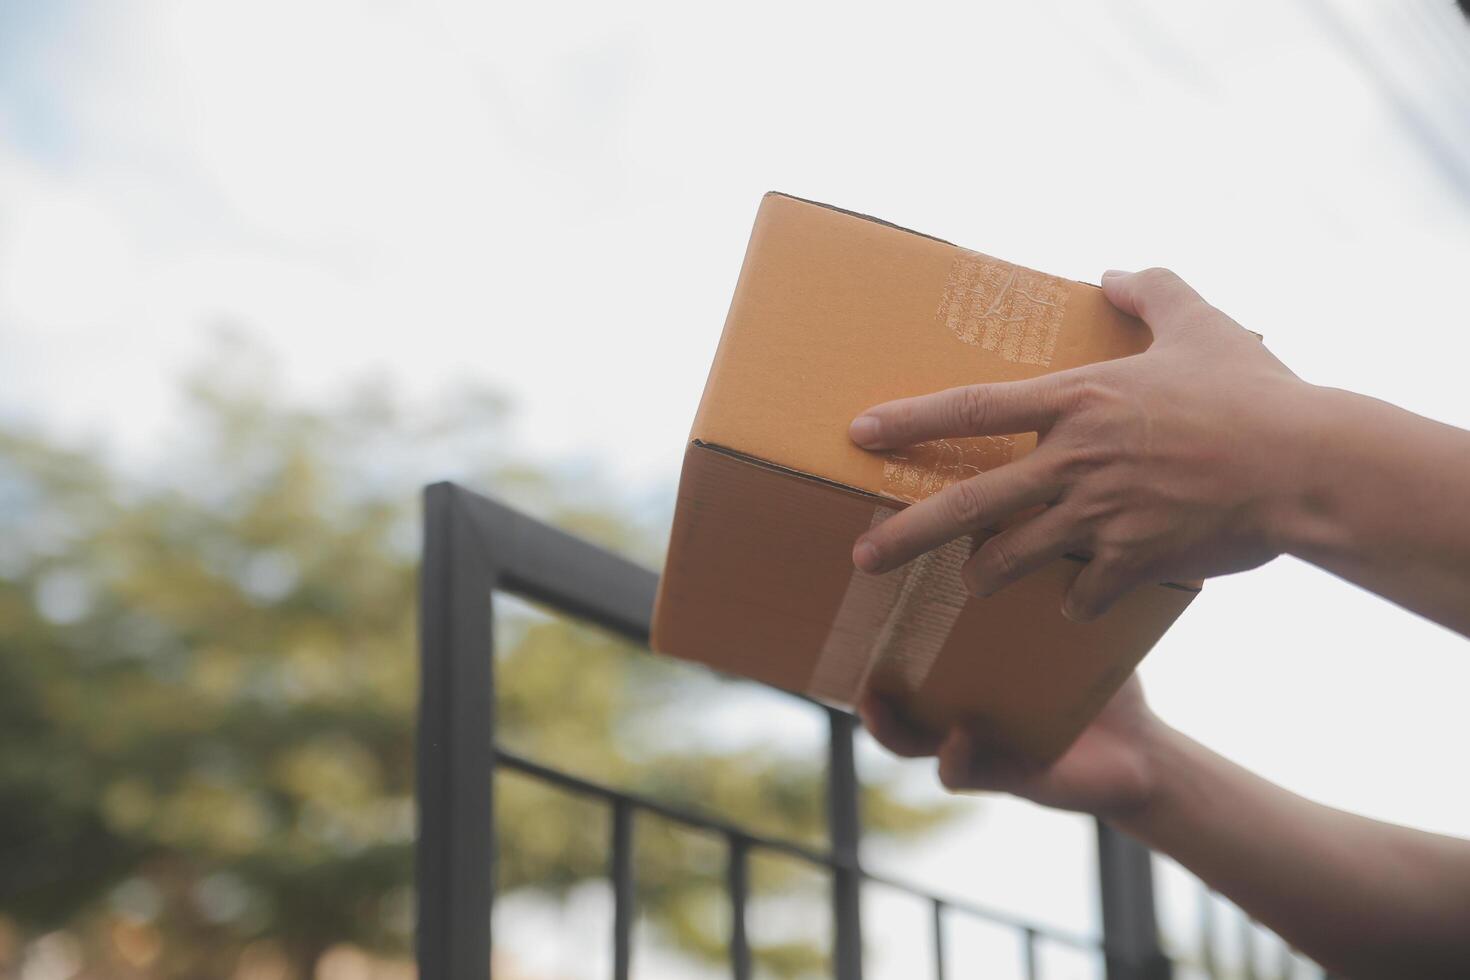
<point x="859" y="214"/>
<point x="877" y="498"/>
<point x="933" y="238"/>
<point x="910" y="231"/>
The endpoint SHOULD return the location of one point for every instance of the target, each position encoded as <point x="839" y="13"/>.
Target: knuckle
<point x="1107" y="406"/>
<point x="1093" y="510"/>
<point x="1068" y="459"/>
<point x="965" y="503"/>
<point x="1095" y="391"/>
<point x="1067" y="387"/>
<point x="1109" y="558"/>
<point x="1051" y="469"/>
<point x="1157" y="276"/>
<point x="1164" y="292"/>
<point x="1081" y="458"/>
<point x="999" y="561"/>
<point x="1083" y="393"/>
<point x="971" y="408"/>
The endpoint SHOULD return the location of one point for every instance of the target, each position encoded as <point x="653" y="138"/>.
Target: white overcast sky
<point x="554" y="199"/>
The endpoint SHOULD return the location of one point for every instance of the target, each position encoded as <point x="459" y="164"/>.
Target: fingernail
<point x="973" y="585"/>
<point x="1115" y="272"/>
<point x="865" y="556"/>
<point x="1074" y="614"/>
<point x="864" y="430"/>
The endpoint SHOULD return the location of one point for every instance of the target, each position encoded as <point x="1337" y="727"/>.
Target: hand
<point x="1164" y="466"/>
<point x="1108" y="771"/>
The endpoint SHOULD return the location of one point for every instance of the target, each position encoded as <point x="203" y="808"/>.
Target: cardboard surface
<point x="834" y="312"/>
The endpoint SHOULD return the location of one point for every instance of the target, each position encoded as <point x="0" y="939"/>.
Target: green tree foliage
<point x="208" y="683"/>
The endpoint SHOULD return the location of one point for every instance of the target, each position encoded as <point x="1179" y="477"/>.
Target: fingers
<point x="894" y="733"/>
<point x="957" y="761"/>
<point x="1100" y="584"/>
<point x="1155" y="296"/>
<point x="965" y="762"/>
<point x="1018" y="551"/>
<point x="974" y="410"/>
<point x="956" y="510"/>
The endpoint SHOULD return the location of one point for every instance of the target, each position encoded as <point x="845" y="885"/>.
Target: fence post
<point x="455" y="841"/>
<point x="844" y="831"/>
<point x="473" y="546"/>
<point x="738" y="883"/>
<point x="1130" y="928"/>
<point x="621" y="873"/>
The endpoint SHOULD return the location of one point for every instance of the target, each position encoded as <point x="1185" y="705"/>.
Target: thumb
<point x="1156" y="296"/>
<point x="1096" y="588"/>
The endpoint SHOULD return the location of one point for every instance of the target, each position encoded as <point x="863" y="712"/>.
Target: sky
<point x="553" y="199"/>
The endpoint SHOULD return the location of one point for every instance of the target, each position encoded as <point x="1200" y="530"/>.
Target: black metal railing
<point x="474" y="547"/>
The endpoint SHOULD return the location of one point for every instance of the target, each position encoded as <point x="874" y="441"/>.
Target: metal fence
<point x="474" y="547"/>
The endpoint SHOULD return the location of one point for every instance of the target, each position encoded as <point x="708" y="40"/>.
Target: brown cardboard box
<point x="835" y="312"/>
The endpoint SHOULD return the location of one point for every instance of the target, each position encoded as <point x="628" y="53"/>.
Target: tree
<point x="208" y="682"/>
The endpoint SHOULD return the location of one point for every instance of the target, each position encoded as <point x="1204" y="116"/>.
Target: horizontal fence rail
<point x="474" y="547"/>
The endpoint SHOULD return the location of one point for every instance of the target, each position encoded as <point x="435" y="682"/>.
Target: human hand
<point x="1109" y="770"/>
<point x="1166" y="466"/>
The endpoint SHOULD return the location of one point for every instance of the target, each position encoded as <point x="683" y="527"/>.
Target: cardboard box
<point x="835" y="312"/>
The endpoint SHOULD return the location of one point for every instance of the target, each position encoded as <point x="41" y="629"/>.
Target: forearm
<point x="1381" y="497"/>
<point x="1365" y="899"/>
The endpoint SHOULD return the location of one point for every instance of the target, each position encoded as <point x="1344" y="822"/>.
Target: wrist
<point x="1298" y="516"/>
<point x="1163" y="755"/>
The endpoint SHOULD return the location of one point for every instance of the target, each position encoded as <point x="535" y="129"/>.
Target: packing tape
<point x="923" y="470"/>
<point x="893" y="624"/>
<point x="1014" y="312"/>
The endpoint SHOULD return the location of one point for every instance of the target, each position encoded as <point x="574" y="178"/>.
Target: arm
<point x="1379" y="497"/>
<point x="1202" y="456"/>
<point x="1364" y="899"/>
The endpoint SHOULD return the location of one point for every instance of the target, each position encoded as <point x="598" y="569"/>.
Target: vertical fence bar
<point x="454" y="855"/>
<point x="1285" y="962"/>
<point x="620" y="870"/>
<point x="938" y="911"/>
<point x="738" y="876"/>
<point x="1130" y="929"/>
<point x="1209" y="956"/>
<point x="843" y="829"/>
<point x="1033" y="967"/>
<point x="1247" y="947"/>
